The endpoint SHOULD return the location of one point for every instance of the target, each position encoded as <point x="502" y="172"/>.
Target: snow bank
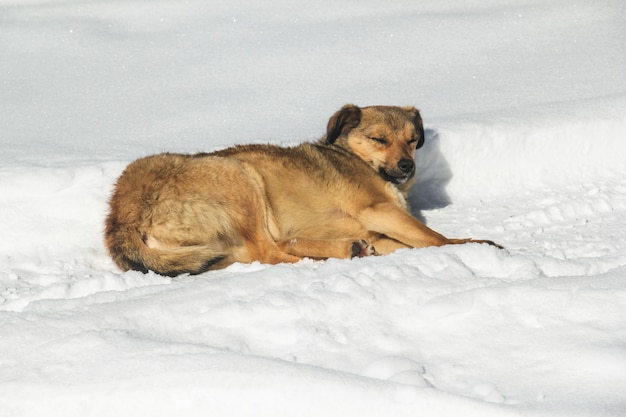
<point x="530" y="153"/>
<point x="525" y="112"/>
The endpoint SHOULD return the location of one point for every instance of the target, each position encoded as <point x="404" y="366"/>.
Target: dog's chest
<point x="396" y="195"/>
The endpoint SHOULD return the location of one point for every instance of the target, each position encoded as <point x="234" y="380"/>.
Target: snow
<point x="525" y="109"/>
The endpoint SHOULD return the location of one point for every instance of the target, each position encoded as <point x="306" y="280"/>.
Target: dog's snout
<point x="406" y="165"/>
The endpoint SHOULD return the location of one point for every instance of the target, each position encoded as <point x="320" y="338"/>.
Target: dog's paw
<point x="489" y="242"/>
<point x="361" y="248"/>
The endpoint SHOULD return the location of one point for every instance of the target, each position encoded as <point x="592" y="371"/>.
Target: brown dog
<point x="340" y="197"/>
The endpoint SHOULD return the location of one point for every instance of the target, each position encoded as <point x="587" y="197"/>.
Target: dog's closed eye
<point x="381" y="140"/>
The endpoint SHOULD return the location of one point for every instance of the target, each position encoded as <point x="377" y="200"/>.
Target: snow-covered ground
<point x="525" y="108"/>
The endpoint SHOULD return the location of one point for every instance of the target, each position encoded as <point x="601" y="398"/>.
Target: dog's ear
<point x="342" y="122"/>
<point x="419" y="126"/>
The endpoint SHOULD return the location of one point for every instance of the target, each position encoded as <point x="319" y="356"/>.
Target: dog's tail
<point x="130" y="251"/>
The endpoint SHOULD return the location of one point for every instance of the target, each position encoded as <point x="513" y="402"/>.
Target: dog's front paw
<point x="489" y="242"/>
<point x="461" y="241"/>
<point x="361" y="248"/>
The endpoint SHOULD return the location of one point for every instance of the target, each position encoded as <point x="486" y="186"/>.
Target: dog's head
<point x="385" y="137"/>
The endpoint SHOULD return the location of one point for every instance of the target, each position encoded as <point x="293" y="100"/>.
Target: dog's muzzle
<point x="403" y="172"/>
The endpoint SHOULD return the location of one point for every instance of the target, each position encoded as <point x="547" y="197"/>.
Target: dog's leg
<point x="385" y="245"/>
<point x="322" y="249"/>
<point x="264" y="251"/>
<point x="393" y="221"/>
<point x="258" y="243"/>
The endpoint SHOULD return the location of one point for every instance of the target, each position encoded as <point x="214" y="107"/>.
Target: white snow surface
<point x="524" y="104"/>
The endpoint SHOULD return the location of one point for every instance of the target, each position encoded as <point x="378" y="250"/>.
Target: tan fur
<point x="340" y="197"/>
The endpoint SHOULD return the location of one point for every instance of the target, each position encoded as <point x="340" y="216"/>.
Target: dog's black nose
<point x="406" y="165"/>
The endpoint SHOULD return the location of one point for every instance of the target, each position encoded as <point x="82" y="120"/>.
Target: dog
<point x="340" y="197"/>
